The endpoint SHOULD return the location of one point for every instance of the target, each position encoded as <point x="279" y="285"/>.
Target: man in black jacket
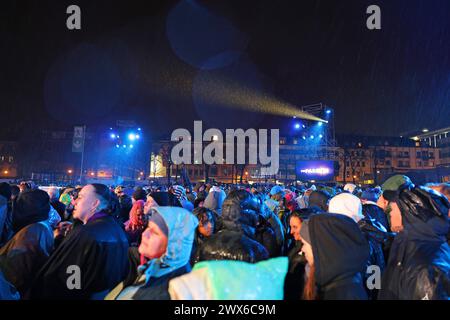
<point x="95" y="252"/>
<point x="419" y="261"/>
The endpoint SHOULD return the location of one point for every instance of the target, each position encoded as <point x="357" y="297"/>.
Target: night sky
<point x="149" y="60"/>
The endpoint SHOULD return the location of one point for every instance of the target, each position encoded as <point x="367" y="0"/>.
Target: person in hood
<point x="337" y="253"/>
<point x="419" y="263"/>
<point x="167" y="243"/>
<point x="98" y="247"/>
<point x="376" y="234"/>
<point x="238" y="239"/>
<point x="370" y="208"/>
<point x="214" y="200"/>
<point x="29" y="249"/>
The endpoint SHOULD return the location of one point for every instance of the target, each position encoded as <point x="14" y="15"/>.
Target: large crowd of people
<point x="389" y="242"/>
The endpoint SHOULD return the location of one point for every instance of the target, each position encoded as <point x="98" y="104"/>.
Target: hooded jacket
<point x="153" y="278"/>
<point x="99" y="248"/>
<point x="214" y="201"/>
<point x="340" y="255"/>
<point x="23" y="255"/>
<point x="419" y="261"/>
<point x="237" y="239"/>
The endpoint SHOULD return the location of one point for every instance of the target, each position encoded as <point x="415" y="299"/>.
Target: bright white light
<point x="112" y="135"/>
<point x="320" y="124"/>
<point x="139" y="129"/>
<point x="328" y="111"/>
<point x="312" y="137"/>
<point x="131" y="146"/>
<point x="131" y="136"/>
<point x="137" y="136"/>
<point x="320" y="136"/>
<point x="303" y="126"/>
<point x="117" y="146"/>
<point x="124" y="146"/>
<point x="297" y="126"/>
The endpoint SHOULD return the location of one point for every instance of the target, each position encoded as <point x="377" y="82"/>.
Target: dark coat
<point x="419" y="263"/>
<point x="158" y="288"/>
<point x="99" y="248"/>
<point x="340" y="255"/>
<point x="295" y="277"/>
<point x="238" y="239"/>
<point x="377" y="237"/>
<point x="373" y="211"/>
<point x="23" y="255"/>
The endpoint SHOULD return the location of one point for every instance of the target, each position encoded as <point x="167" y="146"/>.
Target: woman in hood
<point x="419" y="262"/>
<point x="337" y="253"/>
<point x="167" y="243"/>
<point x="376" y="234"/>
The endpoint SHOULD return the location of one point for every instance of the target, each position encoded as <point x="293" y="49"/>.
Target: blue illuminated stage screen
<point x="315" y="170"/>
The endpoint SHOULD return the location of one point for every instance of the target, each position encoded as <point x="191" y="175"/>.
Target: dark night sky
<point x="141" y="60"/>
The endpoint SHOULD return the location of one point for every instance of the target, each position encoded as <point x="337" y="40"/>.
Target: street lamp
<point x="6" y="172"/>
<point x="69" y="171"/>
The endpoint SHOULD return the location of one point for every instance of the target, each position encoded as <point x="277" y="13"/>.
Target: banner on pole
<point x="78" y="139"/>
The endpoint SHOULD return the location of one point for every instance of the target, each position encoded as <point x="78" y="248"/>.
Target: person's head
<point x="137" y="215"/>
<point x="421" y="205"/>
<point x="155" y="238"/>
<point x="31" y="206"/>
<point x="139" y="194"/>
<point x="319" y="199"/>
<point x="91" y="199"/>
<point x="169" y="236"/>
<point x="295" y="224"/>
<point x="53" y="193"/>
<point x="5" y="190"/>
<point x="23" y="186"/>
<point x="119" y="191"/>
<point x="199" y="202"/>
<point x="348" y="205"/>
<point x="388" y="200"/>
<point x="206" y="222"/>
<point x="350" y="188"/>
<point x="277" y="193"/>
<point x="371" y="195"/>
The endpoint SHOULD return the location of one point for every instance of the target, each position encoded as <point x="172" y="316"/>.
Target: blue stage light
<point x="312" y="137"/>
<point x="139" y="129"/>
<point x="320" y="136"/>
<point x="131" y="146"/>
<point x="112" y="135"/>
<point x="117" y="146"/>
<point x="137" y="136"/>
<point x="124" y="146"/>
<point x="320" y="124"/>
<point x="131" y="136"/>
<point x="297" y="126"/>
<point x="328" y="111"/>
